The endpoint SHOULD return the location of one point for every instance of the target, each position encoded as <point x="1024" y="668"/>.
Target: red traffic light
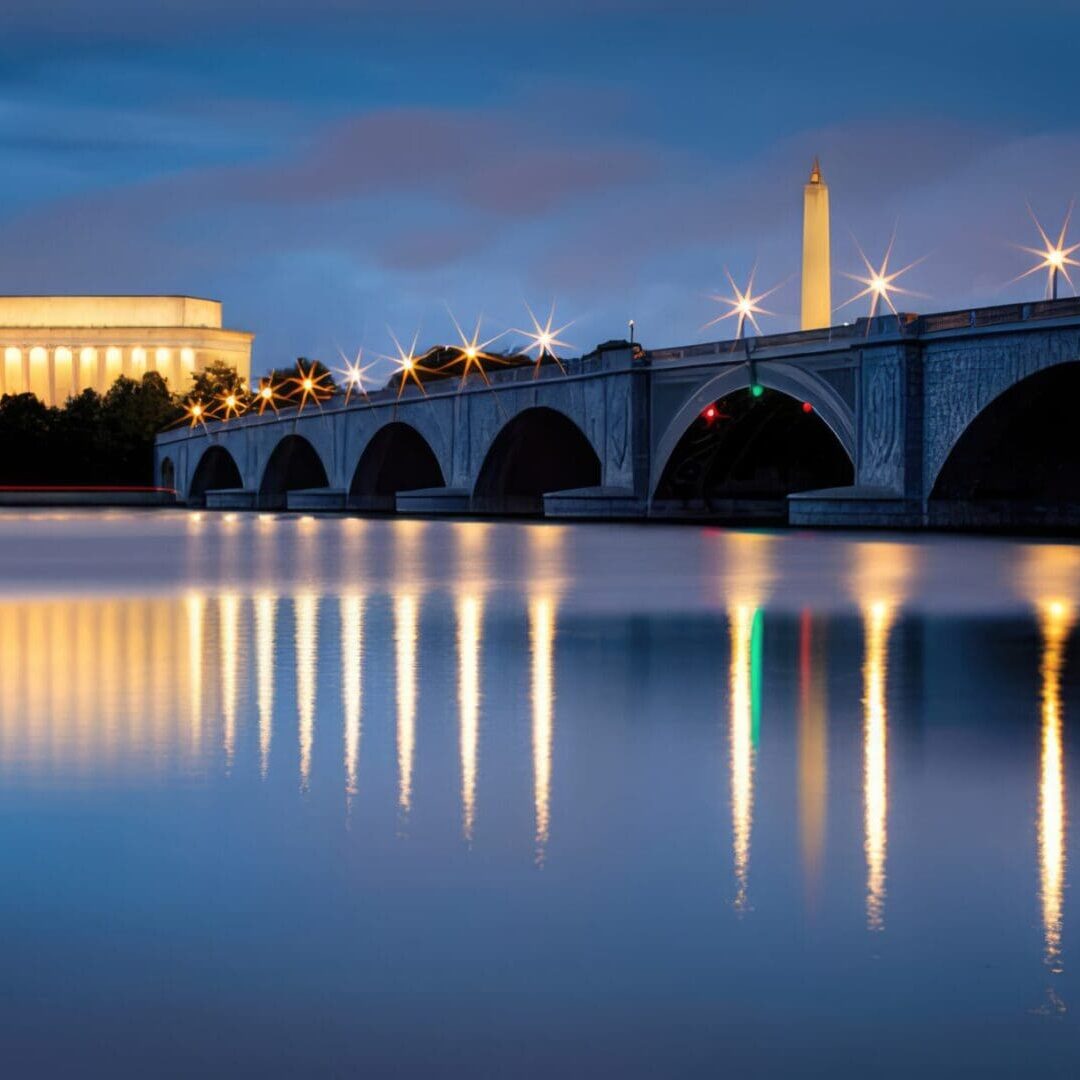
<point x="807" y="407"/>
<point x="710" y="413"/>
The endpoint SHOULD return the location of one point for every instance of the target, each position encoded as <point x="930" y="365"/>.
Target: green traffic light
<point x="757" y="389"/>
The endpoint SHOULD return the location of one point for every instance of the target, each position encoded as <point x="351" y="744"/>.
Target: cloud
<point x="484" y="159"/>
<point x="384" y="214"/>
<point x="477" y="164"/>
<point x="422" y="249"/>
<point x="135" y="19"/>
<point x="408" y="192"/>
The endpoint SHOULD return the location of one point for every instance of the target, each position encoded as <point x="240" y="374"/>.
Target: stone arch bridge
<point x="960" y="418"/>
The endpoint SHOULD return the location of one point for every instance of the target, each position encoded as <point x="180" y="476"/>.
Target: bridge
<point x="956" y="419"/>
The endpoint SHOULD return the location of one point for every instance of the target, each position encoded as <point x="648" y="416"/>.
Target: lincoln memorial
<point x="57" y="346"/>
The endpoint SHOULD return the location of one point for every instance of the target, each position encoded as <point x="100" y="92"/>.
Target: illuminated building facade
<point x="58" y="346"/>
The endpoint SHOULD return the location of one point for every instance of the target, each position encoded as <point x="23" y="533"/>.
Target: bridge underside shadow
<point x="539" y="452"/>
<point x="1018" y="462"/>
<point x="742" y="457"/>
<point x="294" y="465"/>
<point x="217" y="471"/>
<point x="398" y="458"/>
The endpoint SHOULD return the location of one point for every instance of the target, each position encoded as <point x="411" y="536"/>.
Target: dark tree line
<point x="109" y="438"/>
<point x="92" y="439"/>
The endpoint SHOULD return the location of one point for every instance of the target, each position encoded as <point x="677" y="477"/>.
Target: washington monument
<point x="816" y="270"/>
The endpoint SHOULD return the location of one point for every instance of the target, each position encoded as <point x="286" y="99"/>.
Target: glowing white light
<point x="1054" y="257"/>
<point x="742" y="304"/>
<point x="408" y="369"/>
<point x="472" y="351"/>
<point x="879" y="283"/>
<point x="544" y="339"/>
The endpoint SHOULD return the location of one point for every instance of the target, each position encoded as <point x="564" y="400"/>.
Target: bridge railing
<point x="906" y="324"/>
<point x="973" y="318"/>
<point x="737" y="349"/>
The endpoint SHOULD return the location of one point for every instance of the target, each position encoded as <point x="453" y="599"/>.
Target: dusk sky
<point x="329" y="168"/>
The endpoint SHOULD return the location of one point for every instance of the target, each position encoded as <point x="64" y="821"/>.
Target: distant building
<point x="57" y="346"/>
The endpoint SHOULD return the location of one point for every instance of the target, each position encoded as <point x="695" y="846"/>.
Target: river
<point x="309" y="796"/>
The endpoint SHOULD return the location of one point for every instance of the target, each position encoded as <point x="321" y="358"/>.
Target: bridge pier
<point x="231" y="499"/>
<point x="314" y="500"/>
<point x="854" y="508"/>
<point x="371" y="504"/>
<point x="454" y="502"/>
<point x="602" y="503"/>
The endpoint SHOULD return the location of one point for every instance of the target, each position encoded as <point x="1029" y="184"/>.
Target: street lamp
<point x="1054" y="257"/>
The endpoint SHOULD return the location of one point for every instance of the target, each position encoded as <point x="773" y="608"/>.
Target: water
<point x="287" y="796"/>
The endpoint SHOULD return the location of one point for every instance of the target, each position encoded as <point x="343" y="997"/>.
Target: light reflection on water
<point x="813" y="751"/>
<point x="405" y="639"/>
<point x="306" y="623"/>
<point x="743" y="619"/>
<point x="352" y="683"/>
<point x="470" y="615"/>
<point x="542" y="637"/>
<point x="470" y="582"/>
<point x="229" y="619"/>
<point x="1056" y="620"/>
<point x="266" y="605"/>
<point x="536" y="736"/>
<point x="877" y="621"/>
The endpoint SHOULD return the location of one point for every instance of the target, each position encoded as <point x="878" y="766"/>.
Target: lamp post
<point x="1056" y="259"/>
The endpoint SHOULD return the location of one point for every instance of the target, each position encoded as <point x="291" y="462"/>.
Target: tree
<point x="94" y="439"/>
<point x="26" y="453"/>
<point x="132" y="414"/>
<point x="285" y="379"/>
<point x="215" y="380"/>
<point x="81" y="440"/>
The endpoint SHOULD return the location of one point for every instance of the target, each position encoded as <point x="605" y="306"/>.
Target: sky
<point x="336" y="169"/>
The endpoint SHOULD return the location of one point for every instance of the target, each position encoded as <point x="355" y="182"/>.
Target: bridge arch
<point x="540" y="450"/>
<point x="396" y="458"/>
<point x="741" y="454"/>
<point x="294" y="464"/>
<point x="1018" y="458"/>
<point x="216" y="470"/>
<point x="796" y="383"/>
<point x="167" y="475"/>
